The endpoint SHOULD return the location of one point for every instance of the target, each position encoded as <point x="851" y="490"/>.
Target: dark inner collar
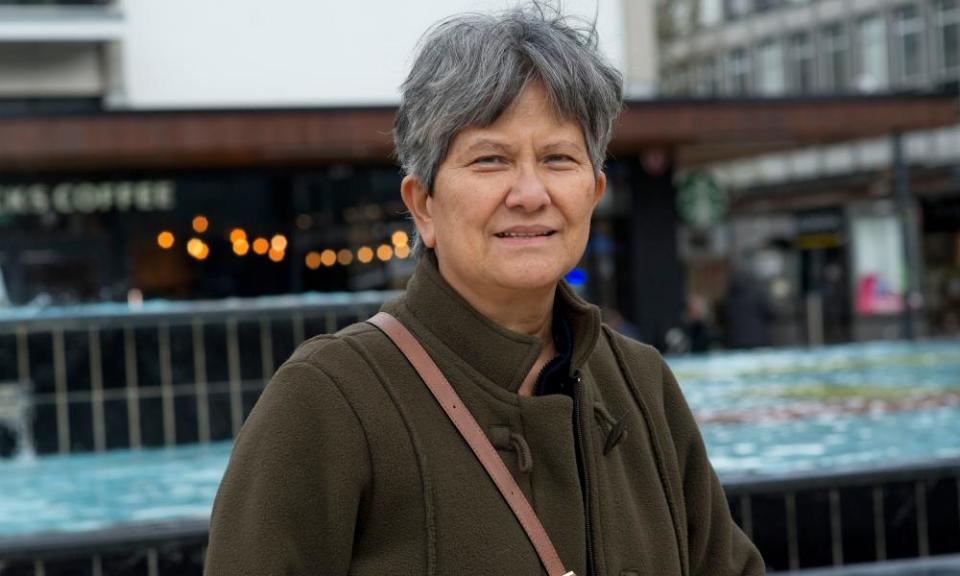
<point x="554" y="377"/>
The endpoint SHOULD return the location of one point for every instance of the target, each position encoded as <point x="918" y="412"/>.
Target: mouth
<point x="526" y="234"/>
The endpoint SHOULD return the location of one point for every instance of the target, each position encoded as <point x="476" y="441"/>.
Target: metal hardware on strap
<point x="472" y="433"/>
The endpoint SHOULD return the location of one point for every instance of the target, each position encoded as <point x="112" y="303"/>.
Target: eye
<point x="489" y="160"/>
<point x="561" y="159"/>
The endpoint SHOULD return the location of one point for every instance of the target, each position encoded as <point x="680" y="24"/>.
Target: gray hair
<point x="471" y="67"/>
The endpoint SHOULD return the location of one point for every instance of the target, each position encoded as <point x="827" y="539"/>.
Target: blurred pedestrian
<point x="347" y="464"/>
<point x="697" y="324"/>
<point x="747" y="312"/>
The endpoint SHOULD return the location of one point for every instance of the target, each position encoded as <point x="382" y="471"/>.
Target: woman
<point x="348" y="464"/>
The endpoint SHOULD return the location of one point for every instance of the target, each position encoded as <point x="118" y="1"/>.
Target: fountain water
<point x="16" y="415"/>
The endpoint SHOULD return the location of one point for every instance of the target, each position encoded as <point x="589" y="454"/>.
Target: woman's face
<point x="512" y="201"/>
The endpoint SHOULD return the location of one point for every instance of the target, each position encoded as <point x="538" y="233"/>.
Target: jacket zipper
<point x="584" y="472"/>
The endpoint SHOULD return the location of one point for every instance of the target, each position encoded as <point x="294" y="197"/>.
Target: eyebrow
<point x="486" y="144"/>
<point x="563" y="145"/>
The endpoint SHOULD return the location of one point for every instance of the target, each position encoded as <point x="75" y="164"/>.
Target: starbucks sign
<point x="700" y="201"/>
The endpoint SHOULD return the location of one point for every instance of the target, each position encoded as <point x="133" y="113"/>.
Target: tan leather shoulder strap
<point x="460" y="416"/>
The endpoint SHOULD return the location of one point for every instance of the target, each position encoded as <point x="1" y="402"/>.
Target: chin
<point x="524" y="276"/>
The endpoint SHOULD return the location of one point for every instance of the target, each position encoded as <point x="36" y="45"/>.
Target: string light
<point x="204" y="251"/>
<point x="278" y="242"/>
<point x="241" y="247"/>
<point x="345" y="257"/>
<point x="238" y="234"/>
<point x="261" y="246"/>
<point x="200" y="224"/>
<point x="402" y="251"/>
<point x="328" y="257"/>
<point x="384" y="252"/>
<point x="365" y="255"/>
<point x="276" y="255"/>
<point x="165" y="239"/>
<point x="195" y="247"/>
<point x="399" y="238"/>
<point x="313" y="260"/>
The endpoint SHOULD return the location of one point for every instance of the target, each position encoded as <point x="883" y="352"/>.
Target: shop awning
<point x="698" y="131"/>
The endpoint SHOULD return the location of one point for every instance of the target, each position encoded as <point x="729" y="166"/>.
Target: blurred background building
<point x="821" y="226"/>
<point x="145" y="153"/>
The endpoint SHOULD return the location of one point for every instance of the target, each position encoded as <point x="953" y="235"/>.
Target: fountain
<point x="16" y="415"/>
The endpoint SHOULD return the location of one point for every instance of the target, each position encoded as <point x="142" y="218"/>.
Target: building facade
<point x="841" y="256"/>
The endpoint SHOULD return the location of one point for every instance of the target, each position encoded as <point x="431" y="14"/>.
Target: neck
<point x="528" y="311"/>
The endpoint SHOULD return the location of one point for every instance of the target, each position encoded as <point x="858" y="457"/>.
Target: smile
<point x="524" y="234"/>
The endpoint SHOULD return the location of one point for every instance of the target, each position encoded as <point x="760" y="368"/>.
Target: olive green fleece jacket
<point x="347" y="464"/>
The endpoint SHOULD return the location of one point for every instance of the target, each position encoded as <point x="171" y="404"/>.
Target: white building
<point x="145" y="54"/>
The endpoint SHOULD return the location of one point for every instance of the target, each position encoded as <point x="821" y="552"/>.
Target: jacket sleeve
<point x="715" y="544"/>
<point x="289" y="501"/>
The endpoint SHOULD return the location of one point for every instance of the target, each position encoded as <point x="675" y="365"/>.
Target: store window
<point x="836" y="54"/>
<point x="771" y="79"/>
<point x="738" y="72"/>
<point x="801" y="63"/>
<point x="908" y="45"/>
<point x="873" y="70"/>
<point x="948" y="38"/>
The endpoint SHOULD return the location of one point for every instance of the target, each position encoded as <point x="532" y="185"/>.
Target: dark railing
<point x="836" y="518"/>
<point x="105" y="377"/>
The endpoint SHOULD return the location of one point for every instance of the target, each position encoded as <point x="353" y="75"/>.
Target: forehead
<point x="531" y="115"/>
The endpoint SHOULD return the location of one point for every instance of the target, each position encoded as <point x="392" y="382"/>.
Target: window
<point x="872" y="66"/>
<point x="711" y="12"/>
<point x="771" y="80"/>
<point x="801" y="63"/>
<point x="908" y="44"/>
<point x="836" y="52"/>
<point x="708" y="78"/>
<point x="948" y="37"/>
<point x="738" y="72"/>
<point x="736" y="8"/>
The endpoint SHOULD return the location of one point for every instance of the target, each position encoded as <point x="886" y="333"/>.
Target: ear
<point x="601" y="188"/>
<point x="418" y="202"/>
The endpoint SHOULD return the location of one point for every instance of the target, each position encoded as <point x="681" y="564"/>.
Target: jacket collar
<point x="504" y="356"/>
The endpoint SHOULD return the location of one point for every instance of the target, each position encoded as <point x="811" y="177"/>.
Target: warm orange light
<point x="200" y="224"/>
<point x="276" y="255"/>
<point x="260" y="246"/>
<point x="204" y="252"/>
<point x="278" y="242"/>
<point x="384" y="252"/>
<point x="241" y="247"/>
<point x="328" y="258"/>
<point x="165" y="239"/>
<point x="195" y="247"/>
<point x="399" y="238"/>
<point x="238" y="234"/>
<point x="345" y="257"/>
<point x="313" y="260"/>
<point x="365" y="255"/>
<point x="402" y="251"/>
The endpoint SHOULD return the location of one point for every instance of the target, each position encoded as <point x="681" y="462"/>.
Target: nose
<point x="529" y="192"/>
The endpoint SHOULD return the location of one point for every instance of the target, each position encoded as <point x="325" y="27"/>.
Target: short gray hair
<point x="471" y="67"/>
